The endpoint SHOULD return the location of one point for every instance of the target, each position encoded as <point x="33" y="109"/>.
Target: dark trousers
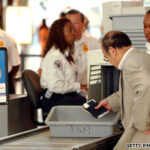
<point x="11" y="87"/>
<point x="62" y="99"/>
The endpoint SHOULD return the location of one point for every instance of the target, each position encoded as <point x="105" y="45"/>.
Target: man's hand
<point x="103" y="103"/>
<point x="147" y="132"/>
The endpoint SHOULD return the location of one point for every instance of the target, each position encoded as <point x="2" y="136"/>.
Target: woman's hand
<point x="103" y="103"/>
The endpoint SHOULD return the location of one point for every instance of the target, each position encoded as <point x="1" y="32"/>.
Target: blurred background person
<point x="59" y="75"/>
<point x="82" y="44"/>
<point x="13" y="59"/>
<point x="43" y="36"/>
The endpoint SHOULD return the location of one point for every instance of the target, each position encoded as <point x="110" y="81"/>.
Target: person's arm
<point x="112" y="102"/>
<point x="40" y="67"/>
<point x="14" y="70"/>
<point x="83" y="86"/>
<point x="39" y="72"/>
<point x="13" y="56"/>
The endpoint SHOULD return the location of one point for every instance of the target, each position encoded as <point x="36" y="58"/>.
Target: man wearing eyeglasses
<point x="133" y="97"/>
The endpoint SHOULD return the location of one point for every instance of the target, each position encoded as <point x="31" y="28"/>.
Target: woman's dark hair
<point x="115" y="39"/>
<point x="56" y="36"/>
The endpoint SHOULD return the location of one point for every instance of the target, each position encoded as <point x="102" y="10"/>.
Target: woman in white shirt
<point x="59" y="75"/>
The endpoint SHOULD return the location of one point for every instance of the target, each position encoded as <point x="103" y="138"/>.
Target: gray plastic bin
<point x="73" y="121"/>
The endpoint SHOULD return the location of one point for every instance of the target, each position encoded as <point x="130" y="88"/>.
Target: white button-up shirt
<point x="58" y="75"/>
<point x="86" y="43"/>
<point x="120" y="66"/>
<point x="148" y="48"/>
<point x="9" y="43"/>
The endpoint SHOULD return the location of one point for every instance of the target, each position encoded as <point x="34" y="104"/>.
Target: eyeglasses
<point x="105" y="59"/>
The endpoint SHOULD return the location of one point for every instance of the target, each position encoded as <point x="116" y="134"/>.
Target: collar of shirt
<point x="148" y="47"/>
<point x="120" y="66"/>
<point x="79" y="42"/>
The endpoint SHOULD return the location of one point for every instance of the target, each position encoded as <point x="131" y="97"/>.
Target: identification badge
<point x="85" y="48"/>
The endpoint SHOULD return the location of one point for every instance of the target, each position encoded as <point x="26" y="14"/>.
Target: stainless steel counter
<point x="16" y="116"/>
<point x="40" y="139"/>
